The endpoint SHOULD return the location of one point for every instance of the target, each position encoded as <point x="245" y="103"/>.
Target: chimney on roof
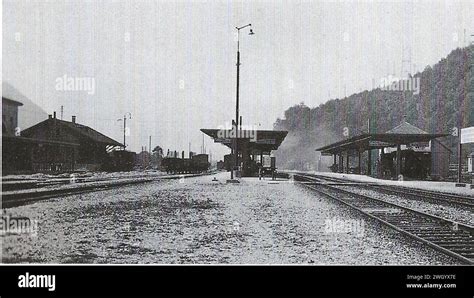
<point x="74" y="119"/>
<point x="50" y="116"/>
<point x="54" y="114"/>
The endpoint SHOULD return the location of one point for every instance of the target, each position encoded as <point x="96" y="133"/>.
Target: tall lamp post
<point x="236" y="126"/>
<point x="125" y="126"/>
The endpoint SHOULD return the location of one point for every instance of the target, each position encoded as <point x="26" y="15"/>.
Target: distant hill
<point x="445" y="100"/>
<point x="29" y="114"/>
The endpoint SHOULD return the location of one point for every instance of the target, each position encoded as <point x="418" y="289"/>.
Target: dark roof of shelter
<point x="406" y="128"/>
<point x="83" y="130"/>
<point x="266" y="140"/>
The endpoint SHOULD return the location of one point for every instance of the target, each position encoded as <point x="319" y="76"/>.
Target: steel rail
<point x="431" y="230"/>
<point x="418" y="194"/>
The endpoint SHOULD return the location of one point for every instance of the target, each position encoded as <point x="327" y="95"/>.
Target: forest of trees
<point x="445" y="101"/>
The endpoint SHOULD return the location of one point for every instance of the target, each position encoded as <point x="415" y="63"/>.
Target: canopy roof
<point x="403" y="134"/>
<point x="257" y="141"/>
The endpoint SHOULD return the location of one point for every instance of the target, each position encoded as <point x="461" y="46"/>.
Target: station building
<point x="91" y="146"/>
<point x="52" y="145"/>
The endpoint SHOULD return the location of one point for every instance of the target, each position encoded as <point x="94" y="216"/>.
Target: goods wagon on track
<point x="196" y="164"/>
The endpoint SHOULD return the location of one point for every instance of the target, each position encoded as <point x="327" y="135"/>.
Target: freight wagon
<point x="196" y="164"/>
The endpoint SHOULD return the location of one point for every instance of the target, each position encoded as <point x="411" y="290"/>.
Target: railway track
<point x="417" y="194"/>
<point x="35" y="193"/>
<point x="446" y="236"/>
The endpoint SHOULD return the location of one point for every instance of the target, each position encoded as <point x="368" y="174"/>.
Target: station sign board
<point x="266" y="141"/>
<point x="257" y="152"/>
<point x="267" y="162"/>
<point x="379" y="144"/>
<point x="222" y="140"/>
<point x="418" y="145"/>
<point x="467" y="135"/>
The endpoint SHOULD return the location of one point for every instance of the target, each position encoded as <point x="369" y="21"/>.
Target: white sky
<point x="177" y="73"/>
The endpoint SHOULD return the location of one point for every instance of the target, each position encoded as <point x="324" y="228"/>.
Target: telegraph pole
<point x="236" y="126"/>
<point x="125" y="126"/>
<point x="124" y="129"/>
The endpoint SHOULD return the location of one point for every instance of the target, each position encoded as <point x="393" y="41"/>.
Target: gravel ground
<point x="201" y="221"/>
<point x="96" y="183"/>
<point x="455" y="213"/>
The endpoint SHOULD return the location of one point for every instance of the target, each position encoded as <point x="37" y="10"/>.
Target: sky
<point x="172" y="64"/>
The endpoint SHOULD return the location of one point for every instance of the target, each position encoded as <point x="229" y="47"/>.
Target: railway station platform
<point x="404" y="151"/>
<point x="252" y="146"/>
<point x="441" y="187"/>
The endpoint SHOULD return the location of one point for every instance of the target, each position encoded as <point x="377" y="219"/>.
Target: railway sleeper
<point x="386" y="212"/>
<point x="444" y="240"/>
<point x="417" y="226"/>
<point x="375" y="209"/>
<point x="454" y="244"/>
<point x="427" y="232"/>
<point x="444" y="236"/>
<point x="449" y="232"/>
<point x="415" y="221"/>
<point x="466" y="254"/>
<point x="404" y="216"/>
<point x="436" y="232"/>
<point x="463" y="250"/>
<point x="410" y="225"/>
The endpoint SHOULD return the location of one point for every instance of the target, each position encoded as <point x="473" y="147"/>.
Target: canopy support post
<point x="399" y="160"/>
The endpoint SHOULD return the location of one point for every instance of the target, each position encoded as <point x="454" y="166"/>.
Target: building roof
<point x="11" y="101"/>
<point x="92" y="134"/>
<point x="83" y="130"/>
<point x="403" y="134"/>
<point x="265" y="140"/>
<point x="406" y="128"/>
<point x="36" y="141"/>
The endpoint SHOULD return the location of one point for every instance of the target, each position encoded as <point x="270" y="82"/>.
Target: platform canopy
<point x="403" y="134"/>
<point x="257" y="141"/>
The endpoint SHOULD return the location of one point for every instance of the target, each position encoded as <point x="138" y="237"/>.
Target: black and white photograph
<point x="325" y="135"/>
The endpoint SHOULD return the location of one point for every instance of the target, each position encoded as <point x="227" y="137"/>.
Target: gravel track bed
<point x="455" y="213"/>
<point x="201" y="221"/>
